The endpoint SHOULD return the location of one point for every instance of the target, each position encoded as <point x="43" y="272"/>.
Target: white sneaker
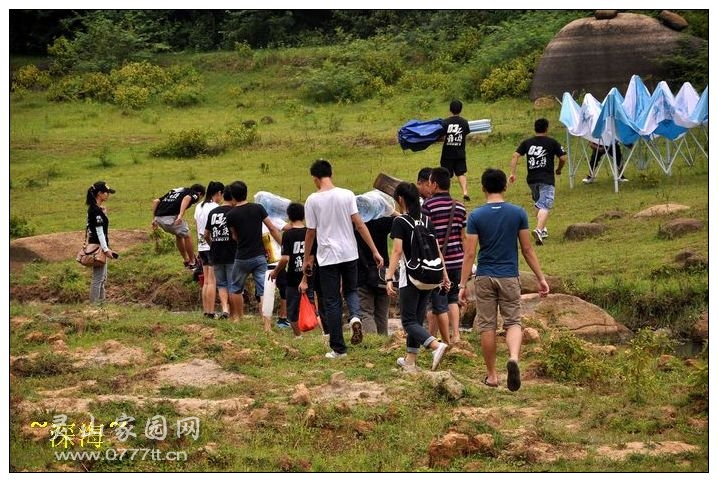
<point x="538" y="236"/>
<point x="544" y="233"/>
<point x="357" y="335"/>
<point x="437" y="355"/>
<point x="588" y="180"/>
<point x="401" y="361"/>
<point x="333" y="354"/>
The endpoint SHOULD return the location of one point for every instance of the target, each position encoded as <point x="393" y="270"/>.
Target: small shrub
<point x="164" y="243"/>
<point x="512" y="79"/>
<point x="143" y="75"/>
<point x="638" y="362"/>
<point x="20" y="227"/>
<point x="97" y="86"/>
<point x="182" y="95"/>
<point x="183" y="144"/>
<point x="29" y="77"/>
<point x="131" y="97"/>
<point x="565" y="358"/>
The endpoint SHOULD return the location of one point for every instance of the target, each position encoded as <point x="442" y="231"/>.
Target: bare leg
<point x="224" y="300"/>
<point x="514" y="336"/>
<point x="541" y="218"/>
<point x="442" y="321"/>
<point x="454" y="317"/>
<point x="462" y="183"/>
<point x="209" y="289"/>
<point x="488" y="350"/>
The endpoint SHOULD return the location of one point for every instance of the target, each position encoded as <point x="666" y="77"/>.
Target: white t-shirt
<point x="329" y="212"/>
<point x="200" y="217"/>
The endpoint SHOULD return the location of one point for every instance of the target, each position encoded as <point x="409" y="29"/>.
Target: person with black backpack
<point x="422" y="270"/>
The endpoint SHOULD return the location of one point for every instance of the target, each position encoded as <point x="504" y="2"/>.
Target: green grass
<point x="58" y="150"/>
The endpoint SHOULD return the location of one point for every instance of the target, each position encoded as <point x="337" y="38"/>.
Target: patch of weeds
<point x="44" y="365"/>
<point x="182" y="391"/>
<point x="20" y="227"/>
<point x="638" y="363"/>
<point x="103" y="157"/>
<point x="565" y="358"/>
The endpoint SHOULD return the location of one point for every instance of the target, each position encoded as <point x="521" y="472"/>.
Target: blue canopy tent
<point x="640" y="121"/>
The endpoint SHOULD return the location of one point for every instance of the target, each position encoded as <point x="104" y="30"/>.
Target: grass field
<point x="640" y="410"/>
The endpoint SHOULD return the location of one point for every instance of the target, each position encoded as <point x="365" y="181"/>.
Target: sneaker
<point x="333" y="354"/>
<point x="544" y="233"/>
<point x="623" y="179"/>
<point x="407" y="367"/>
<point x="283" y="323"/>
<point x="221" y="316"/>
<point x="437" y="355"/>
<point x="538" y="236"/>
<point x="466" y="197"/>
<point x="357" y="335"/>
<point x="211" y="316"/>
<point x="588" y="180"/>
<point x="513" y="381"/>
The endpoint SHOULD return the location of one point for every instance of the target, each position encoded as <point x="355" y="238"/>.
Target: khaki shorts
<point x="494" y="294"/>
<point x="167" y="223"/>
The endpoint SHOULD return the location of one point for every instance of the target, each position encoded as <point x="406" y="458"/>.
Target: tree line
<point x="32" y="31"/>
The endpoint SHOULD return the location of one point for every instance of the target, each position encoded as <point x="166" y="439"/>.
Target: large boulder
<point x="582" y="318"/>
<point x="593" y="55"/>
<point x="678" y="227"/>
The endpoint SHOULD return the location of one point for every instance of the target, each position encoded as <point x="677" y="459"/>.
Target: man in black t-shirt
<point x="453" y="153"/>
<point x="371" y="285"/>
<point x="222" y="249"/>
<point x="168" y="212"/>
<point x="245" y="223"/>
<point x="540" y="151"/>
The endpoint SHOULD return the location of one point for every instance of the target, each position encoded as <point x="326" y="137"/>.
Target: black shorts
<point x="204" y="257"/>
<point x="456" y="167"/>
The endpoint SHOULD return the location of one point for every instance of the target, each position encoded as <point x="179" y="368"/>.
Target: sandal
<point x="492" y="385"/>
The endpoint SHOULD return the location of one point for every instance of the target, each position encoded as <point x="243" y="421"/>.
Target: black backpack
<point x="425" y="268"/>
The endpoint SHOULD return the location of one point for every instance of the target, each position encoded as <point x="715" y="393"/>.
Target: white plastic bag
<point x="375" y="204"/>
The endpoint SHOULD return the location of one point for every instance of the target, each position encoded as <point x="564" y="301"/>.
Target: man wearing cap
<point x="168" y="214"/>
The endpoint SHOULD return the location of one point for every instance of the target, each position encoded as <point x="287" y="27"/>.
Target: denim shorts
<point x="167" y="223"/>
<point x="440" y="299"/>
<point x="223" y="277"/>
<point x="543" y="195"/>
<point x="257" y="266"/>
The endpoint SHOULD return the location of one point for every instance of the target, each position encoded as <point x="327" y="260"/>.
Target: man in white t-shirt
<point x="331" y="215"/>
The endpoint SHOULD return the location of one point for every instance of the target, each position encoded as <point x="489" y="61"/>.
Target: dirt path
<point x="64" y="246"/>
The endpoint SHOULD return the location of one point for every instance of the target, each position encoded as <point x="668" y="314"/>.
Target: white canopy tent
<point x="658" y="124"/>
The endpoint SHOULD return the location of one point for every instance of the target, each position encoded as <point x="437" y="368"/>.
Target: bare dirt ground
<point x="64" y="246"/>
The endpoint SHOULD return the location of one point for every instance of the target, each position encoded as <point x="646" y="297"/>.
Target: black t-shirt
<point x="293" y="246"/>
<point x="403" y="226"/>
<point x="96" y="217"/>
<point x="171" y="202"/>
<point x="379" y="230"/>
<point x="540" y="152"/>
<point x="456" y="128"/>
<point x="247" y="220"/>
<point x="221" y="245"/>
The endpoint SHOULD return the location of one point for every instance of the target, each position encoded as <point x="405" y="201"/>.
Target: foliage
<point x="639" y="363"/>
<point x="565" y="358"/>
<point x="29" y="77"/>
<point x="20" y="227"/>
<point x="510" y="80"/>
<point x="105" y="42"/>
<point x="184" y="144"/>
<point x="689" y="64"/>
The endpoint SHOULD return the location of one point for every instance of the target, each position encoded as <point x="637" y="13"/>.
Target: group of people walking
<point x="328" y="250"/>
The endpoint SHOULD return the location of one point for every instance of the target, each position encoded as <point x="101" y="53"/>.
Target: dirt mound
<point x="64" y="246"/>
